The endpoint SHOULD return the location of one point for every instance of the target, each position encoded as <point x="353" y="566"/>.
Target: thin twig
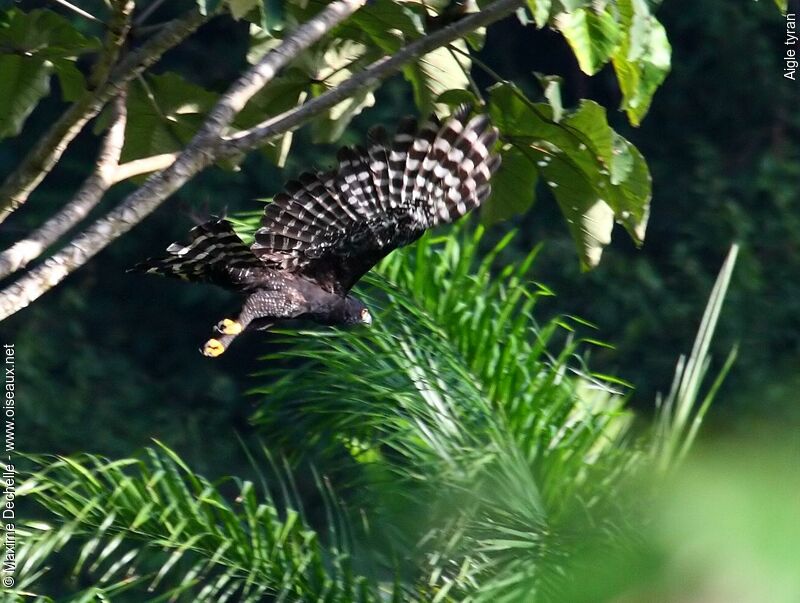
<point x="78" y="10"/>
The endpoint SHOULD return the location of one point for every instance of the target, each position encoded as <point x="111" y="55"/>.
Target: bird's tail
<point x="215" y="254"/>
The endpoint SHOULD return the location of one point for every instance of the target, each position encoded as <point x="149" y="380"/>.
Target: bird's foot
<point x="227" y="326"/>
<point x="213" y="348"/>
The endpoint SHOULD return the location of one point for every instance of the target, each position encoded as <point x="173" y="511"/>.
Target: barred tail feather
<point x="215" y="254"/>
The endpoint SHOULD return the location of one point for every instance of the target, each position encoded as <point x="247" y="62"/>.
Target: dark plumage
<point x="327" y="229"/>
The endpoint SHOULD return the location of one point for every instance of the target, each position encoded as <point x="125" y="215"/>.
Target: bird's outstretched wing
<point x="332" y="227"/>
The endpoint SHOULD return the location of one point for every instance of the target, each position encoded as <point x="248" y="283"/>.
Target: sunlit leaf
<point x="596" y="175"/>
<point x="208" y="6"/>
<point x="642" y="59"/>
<point x="592" y="35"/>
<point x="337" y="63"/>
<point x="436" y="72"/>
<point x="389" y="25"/>
<point x="540" y="9"/>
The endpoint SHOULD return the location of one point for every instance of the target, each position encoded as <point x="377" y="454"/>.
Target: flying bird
<point x="326" y="230"/>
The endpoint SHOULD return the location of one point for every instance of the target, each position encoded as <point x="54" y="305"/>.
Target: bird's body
<point x="326" y="230"/>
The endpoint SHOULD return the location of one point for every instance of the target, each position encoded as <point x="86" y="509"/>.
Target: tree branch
<point x="89" y="195"/>
<point x="118" y="28"/>
<point x="198" y="154"/>
<point x="48" y="150"/>
<point x="146" y="165"/>
<point x="246" y="140"/>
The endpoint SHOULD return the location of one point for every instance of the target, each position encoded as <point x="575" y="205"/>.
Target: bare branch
<point x="246" y="140"/>
<point x="196" y="156"/>
<point x="146" y="165"/>
<point x="48" y="150"/>
<point x="89" y="195"/>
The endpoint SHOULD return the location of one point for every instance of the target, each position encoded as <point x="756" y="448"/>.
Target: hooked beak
<point x="366" y="317"/>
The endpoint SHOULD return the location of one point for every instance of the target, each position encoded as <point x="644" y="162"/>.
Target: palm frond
<point x="151" y="527"/>
<point x="468" y="412"/>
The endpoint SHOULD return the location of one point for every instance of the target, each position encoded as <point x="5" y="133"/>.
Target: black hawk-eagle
<point x="326" y="230"/>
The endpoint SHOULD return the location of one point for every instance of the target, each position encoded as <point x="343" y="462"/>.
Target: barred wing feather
<point x="332" y="227"/>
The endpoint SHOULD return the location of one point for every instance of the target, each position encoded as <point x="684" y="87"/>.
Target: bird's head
<point x="356" y="313"/>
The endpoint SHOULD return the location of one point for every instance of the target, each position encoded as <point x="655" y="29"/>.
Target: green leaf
<point x="589" y="218"/>
<point x="596" y="175"/>
<point x="71" y="80"/>
<point x="642" y="59"/>
<point x="782" y="5"/>
<point x="272" y="15"/>
<point x="42" y="34"/>
<point x="261" y="42"/>
<point x="164" y="112"/>
<point x="551" y="84"/>
<point x="457" y="97"/>
<point x="24" y="82"/>
<point x="33" y="45"/>
<point x="592" y="35"/>
<point x="436" y="72"/>
<point x="540" y="9"/>
<point x="387" y="24"/>
<point x="513" y="187"/>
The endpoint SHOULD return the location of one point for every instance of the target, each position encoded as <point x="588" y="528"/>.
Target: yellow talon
<point x="229" y="327"/>
<point x="213" y="348"/>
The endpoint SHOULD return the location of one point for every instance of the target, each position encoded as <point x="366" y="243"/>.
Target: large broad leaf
<point x="642" y="59"/>
<point x="540" y="9"/>
<point x="436" y="72"/>
<point x="32" y="47"/>
<point x="387" y="24"/>
<point x="24" y="82"/>
<point x="513" y="187"/>
<point x="43" y="34"/>
<point x="593" y="36"/>
<point x="164" y="112"/>
<point x="596" y="175"/>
